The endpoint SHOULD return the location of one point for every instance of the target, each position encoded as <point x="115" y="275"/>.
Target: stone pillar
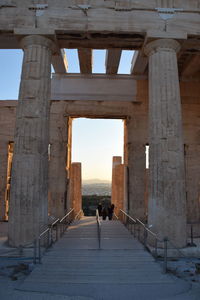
<point x="167" y="199"/>
<point x="3" y="177"/>
<point x="76" y="187"/>
<point x="9" y="168"/>
<point x="192" y="153"/>
<point x="69" y="160"/>
<point x="28" y="213"/>
<point x="119" y="196"/>
<point x="58" y="161"/>
<point x="135" y="129"/>
<point x="117" y="160"/>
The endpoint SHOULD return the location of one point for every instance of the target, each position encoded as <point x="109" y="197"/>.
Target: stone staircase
<point x="76" y="268"/>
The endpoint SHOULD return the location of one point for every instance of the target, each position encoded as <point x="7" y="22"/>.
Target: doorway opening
<point x="94" y="143"/>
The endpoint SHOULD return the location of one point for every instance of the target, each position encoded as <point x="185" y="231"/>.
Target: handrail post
<point x="56" y="232"/>
<point x="134" y="229"/>
<point x="156" y="248"/>
<point x="50" y="237"/>
<point x="165" y="255"/>
<point x="35" y="251"/>
<point x="139" y="232"/>
<point x="99" y="236"/>
<point x="145" y="237"/>
<point x="39" y="250"/>
<point x="192" y="244"/>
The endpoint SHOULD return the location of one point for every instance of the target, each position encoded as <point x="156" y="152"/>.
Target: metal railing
<point x="144" y="234"/>
<point x="65" y="221"/>
<point x="79" y="215"/>
<point x="51" y="234"/>
<point x="98" y="228"/>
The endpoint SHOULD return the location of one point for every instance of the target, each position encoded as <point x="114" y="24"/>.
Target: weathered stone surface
<point x="85" y="60"/>
<point x="167" y="194"/>
<point x="135" y="140"/>
<point x="119" y="185"/>
<point x="3" y="177"/>
<point x="75" y="190"/>
<point x="58" y="173"/>
<point x="117" y="160"/>
<point x="29" y="184"/>
<point x="94" y="87"/>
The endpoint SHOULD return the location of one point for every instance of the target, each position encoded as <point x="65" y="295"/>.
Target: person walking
<point x="104" y="212"/>
<point x="99" y="207"/>
<point x="111" y="211"/>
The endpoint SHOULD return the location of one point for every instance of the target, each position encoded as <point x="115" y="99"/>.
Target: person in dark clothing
<point x="104" y="212"/>
<point x="99" y="207"/>
<point x="110" y="211"/>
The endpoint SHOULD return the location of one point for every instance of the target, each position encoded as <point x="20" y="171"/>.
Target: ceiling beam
<point x="139" y="64"/>
<point x="85" y="60"/>
<point x="112" y="60"/>
<point x="59" y="62"/>
<point x="191" y="66"/>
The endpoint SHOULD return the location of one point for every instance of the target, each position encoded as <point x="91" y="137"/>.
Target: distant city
<point x="96" y="187"/>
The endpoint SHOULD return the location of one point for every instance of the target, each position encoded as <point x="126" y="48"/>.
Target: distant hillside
<point x="96" y="187"/>
<point x="96" y="180"/>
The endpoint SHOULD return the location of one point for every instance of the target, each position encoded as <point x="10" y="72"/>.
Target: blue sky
<point x="94" y="141"/>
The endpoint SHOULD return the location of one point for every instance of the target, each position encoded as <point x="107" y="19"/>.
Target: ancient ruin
<point x="159" y="102"/>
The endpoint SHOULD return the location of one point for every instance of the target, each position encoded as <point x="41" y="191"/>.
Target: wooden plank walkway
<point x="122" y="269"/>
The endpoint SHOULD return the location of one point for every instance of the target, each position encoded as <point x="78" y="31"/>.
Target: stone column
<point x="192" y="153"/>
<point x="76" y="187"/>
<point x="28" y="213"/>
<point x="3" y="177"/>
<point x="167" y="199"/>
<point x="117" y="160"/>
<point x="119" y="191"/>
<point x="58" y="161"/>
<point x="69" y="160"/>
<point x="135" y="128"/>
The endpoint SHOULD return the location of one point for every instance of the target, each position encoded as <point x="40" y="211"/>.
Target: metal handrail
<point x="128" y="216"/>
<point x="65" y="216"/>
<point x="78" y="214"/>
<point x="146" y="231"/>
<point x="98" y="227"/>
<point x="115" y="216"/>
<point x="57" y="223"/>
<point x="63" y="224"/>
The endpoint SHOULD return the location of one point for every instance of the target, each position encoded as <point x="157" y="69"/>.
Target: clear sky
<point x="94" y="141"/>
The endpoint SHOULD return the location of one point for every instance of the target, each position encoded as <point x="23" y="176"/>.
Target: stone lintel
<point x="156" y="34"/>
<point x="34" y="31"/>
<point x="91" y="87"/>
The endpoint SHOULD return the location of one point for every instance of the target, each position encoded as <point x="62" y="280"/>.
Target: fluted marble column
<point x="135" y="127"/>
<point x="167" y="198"/>
<point x="28" y="213"/>
<point x="58" y="172"/>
